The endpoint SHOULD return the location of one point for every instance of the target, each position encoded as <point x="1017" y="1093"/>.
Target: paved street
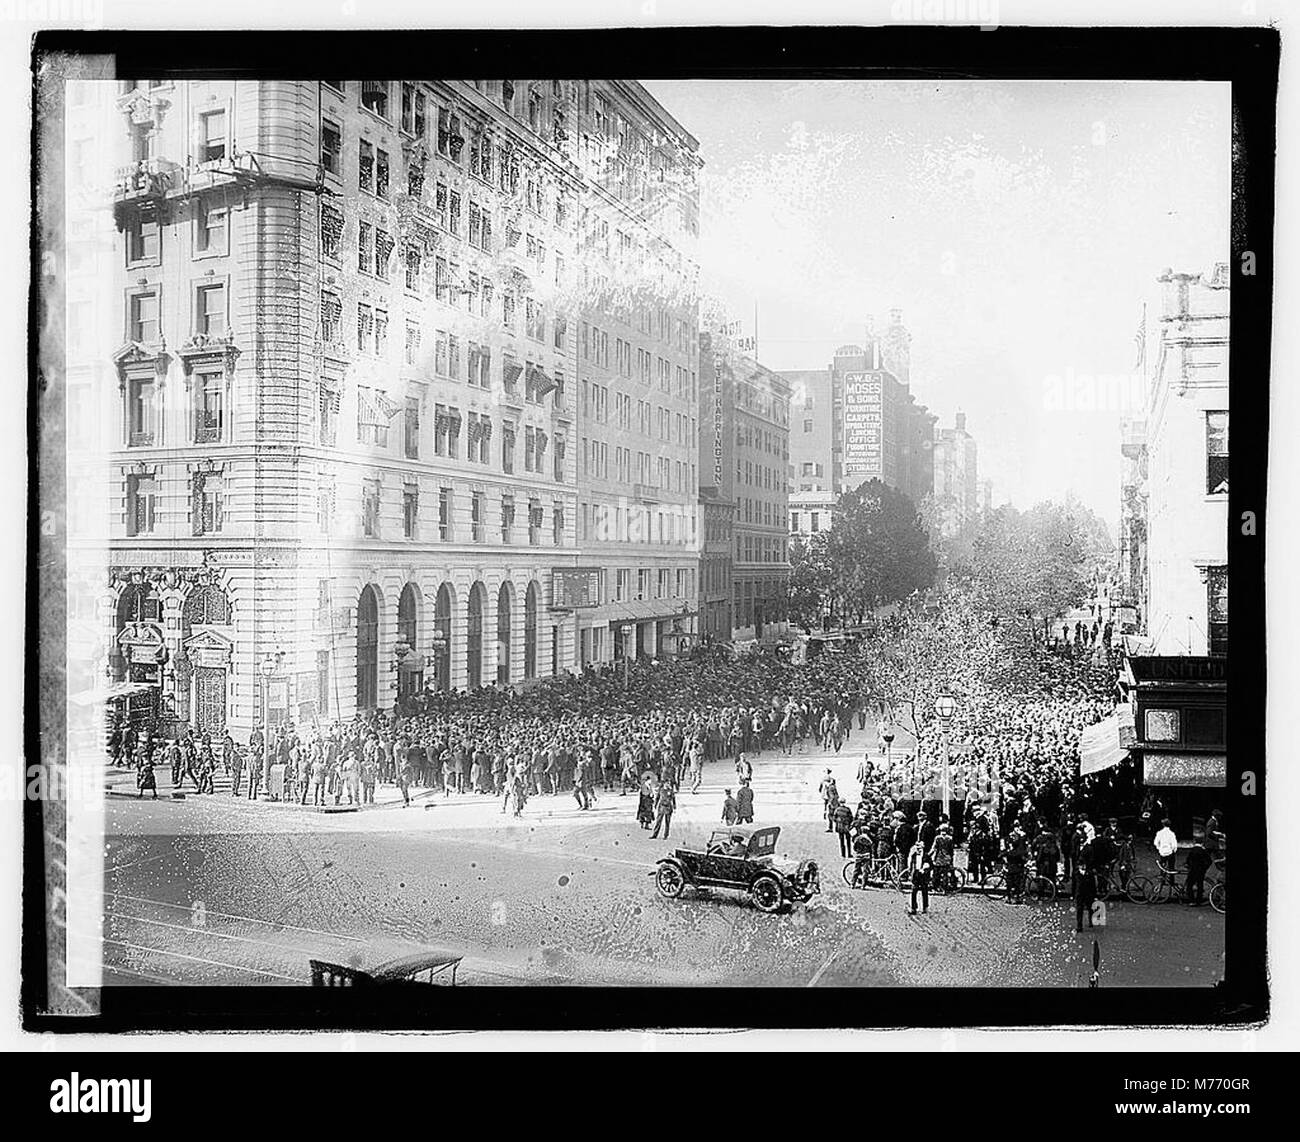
<point x="219" y="890"/>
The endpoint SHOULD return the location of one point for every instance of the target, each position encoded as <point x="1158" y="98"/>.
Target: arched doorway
<point x="530" y="630"/>
<point x="368" y="649"/>
<point x="474" y="636"/>
<point x="442" y="638"/>
<point x="410" y="674"/>
<point x="203" y="664"/>
<point x="505" y="615"/>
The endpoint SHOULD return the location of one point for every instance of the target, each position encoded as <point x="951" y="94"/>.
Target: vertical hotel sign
<point x="862" y="426"/>
<point x="719" y="419"/>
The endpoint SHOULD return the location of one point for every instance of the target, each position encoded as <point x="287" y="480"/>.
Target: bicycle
<point x="877" y="872"/>
<point x="1034" y="887"/>
<point x="948" y="879"/>
<point x="1167" y="886"/>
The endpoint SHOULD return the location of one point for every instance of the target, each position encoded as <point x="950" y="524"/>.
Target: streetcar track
<point x="201" y="960"/>
<point x="235" y="916"/>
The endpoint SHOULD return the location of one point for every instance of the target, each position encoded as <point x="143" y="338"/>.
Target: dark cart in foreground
<point x="741" y="858"/>
<point x="435" y="967"/>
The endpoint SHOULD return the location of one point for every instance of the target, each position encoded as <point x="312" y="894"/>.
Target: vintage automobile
<point x="741" y="858"/>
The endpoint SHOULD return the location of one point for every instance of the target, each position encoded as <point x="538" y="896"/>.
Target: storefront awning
<point x="1198" y="770"/>
<point x="1099" y="747"/>
<point x="108" y="693"/>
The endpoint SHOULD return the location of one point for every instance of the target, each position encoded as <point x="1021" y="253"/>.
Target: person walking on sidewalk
<point x="745" y="803"/>
<point x="144" y="779"/>
<point x="843" y="818"/>
<point x="830" y="797"/>
<point x="918" y="864"/>
<point x="236" y="771"/>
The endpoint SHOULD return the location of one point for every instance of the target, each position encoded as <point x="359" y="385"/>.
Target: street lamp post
<point x="945" y="706"/>
<point x="269" y="666"/>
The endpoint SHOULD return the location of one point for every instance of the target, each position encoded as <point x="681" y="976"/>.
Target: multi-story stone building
<point x="858" y="419"/>
<point x="746" y="464"/>
<point x="1187" y="470"/>
<point x="956" y="477"/>
<point x="342" y="439"/>
<point x="638" y="362"/>
<point x="1176" y="671"/>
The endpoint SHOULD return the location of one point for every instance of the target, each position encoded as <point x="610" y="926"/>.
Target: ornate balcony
<point x="144" y="179"/>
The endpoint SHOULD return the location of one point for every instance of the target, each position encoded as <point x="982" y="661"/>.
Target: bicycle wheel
<point x="995" y="886"/>
<point x="850" y="868"/>
<point x="1219" y="897"/>
<point x="1140" y="890"/>
<point x="1163" y="890"/>
<point x="1040" y="889"/>
<point x="958" y="879"/>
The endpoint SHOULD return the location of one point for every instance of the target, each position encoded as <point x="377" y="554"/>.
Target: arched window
<point x="442" y="644"/>
<point x="530" y="631"/>
<point x="367" y="649"/>
<point x="409" y="681"/>
<point x="474" y="636"/>
<point x="136" y="604"/>
<point x="504" y="605"/>
<point x="206" y="604"/>
<point x="407" y="616"/>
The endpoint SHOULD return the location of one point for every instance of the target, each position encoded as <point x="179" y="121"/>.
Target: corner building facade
<point x="339" y="440"/>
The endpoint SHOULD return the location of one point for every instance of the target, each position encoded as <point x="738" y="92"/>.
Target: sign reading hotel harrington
<point x="862" y="425"/>
<point x="719" y="417"/>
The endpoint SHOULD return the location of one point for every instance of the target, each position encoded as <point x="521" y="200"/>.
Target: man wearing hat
<point x="925" y="830"/>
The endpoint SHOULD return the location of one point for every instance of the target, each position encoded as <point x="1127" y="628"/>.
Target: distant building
<point x="811" y="512"/>
<point x="857" y="420"/>
<point x="744" y="462"/>
<point x="1133" y="587"/>
<point x="956" y="477"/>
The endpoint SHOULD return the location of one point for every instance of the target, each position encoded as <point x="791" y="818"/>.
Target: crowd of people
<point x="1019" y="713"/>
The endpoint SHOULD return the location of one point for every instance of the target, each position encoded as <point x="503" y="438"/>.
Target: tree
<point x="879" y="550"/>
<point x="810" y="579"/>
<point x="1039" y="560"/>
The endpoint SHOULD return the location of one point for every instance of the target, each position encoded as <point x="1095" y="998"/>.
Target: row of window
<point x="760" y="476"/>
<point x="475" y="296"/>
<point x="375" y="414"/>
<point x="209" y="317"/>
<point x="203" y="504"/>
<point x="661" y="472"/>
<point x="772" y="443"/>
<point x="635" y="523"/>
<point x="760" y="511"/>
<point x="443" y="526"/>
<point x="762" y="549"/>
<point x="210" y="232"/>
<point x="546" y="117"/>
<point x="666" y="583"/>
<point x="206" y="419"/>
<point x="814" y="520"/>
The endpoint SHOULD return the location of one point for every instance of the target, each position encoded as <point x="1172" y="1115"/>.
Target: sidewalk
<point x="121" y="783"/>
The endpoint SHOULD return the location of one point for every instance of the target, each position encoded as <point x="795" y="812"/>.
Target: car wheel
<point x="670" y="880"/>
<point x="766" y="894"/>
